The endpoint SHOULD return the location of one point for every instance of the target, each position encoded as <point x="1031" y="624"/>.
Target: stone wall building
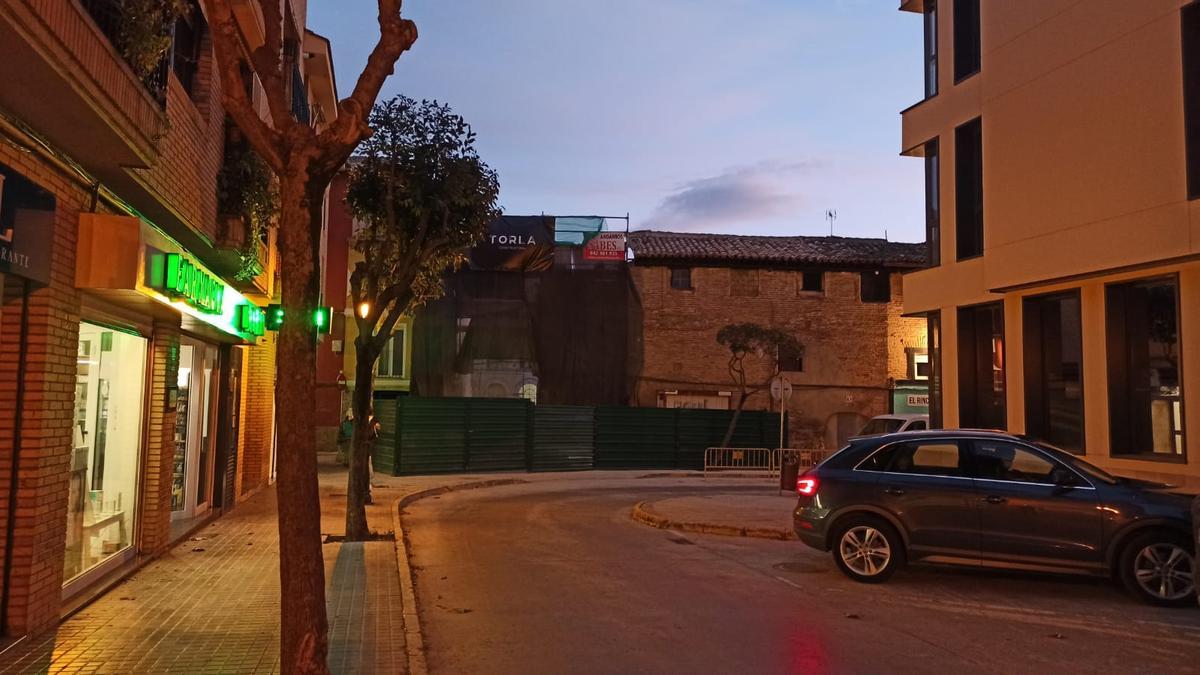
<point x="841" y="297"/>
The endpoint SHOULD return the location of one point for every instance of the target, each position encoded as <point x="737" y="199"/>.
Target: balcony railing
<point x="109" y="17"/>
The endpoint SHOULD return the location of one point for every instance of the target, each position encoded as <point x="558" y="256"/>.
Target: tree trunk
<point x="303" y="639"/>
<point x="358" y="479"/>
<point x="733" y="422"/>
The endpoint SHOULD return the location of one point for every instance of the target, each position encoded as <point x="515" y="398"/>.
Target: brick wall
<point x="45" y="434"/>
<point x="68" y="32"/>
<point x="155" y="508"/>
<point x="904" y="334"/>
<point x="184" y="177"/>
<point x="258" y="414"/>
<point x="848" y="343"/>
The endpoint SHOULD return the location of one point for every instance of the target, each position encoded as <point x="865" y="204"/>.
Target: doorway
<point x="195" y="430"/>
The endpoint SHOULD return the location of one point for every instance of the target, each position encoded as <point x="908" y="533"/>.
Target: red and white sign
<point x="605" y="246"/>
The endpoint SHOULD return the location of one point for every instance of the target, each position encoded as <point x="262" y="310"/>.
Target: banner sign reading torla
<point x="516" y="244"/>
<point x="26" y="227"/>
<point x="605" y="246"/>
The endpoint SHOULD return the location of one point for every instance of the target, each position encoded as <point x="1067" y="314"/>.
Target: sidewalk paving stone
<point x="211" y="604"/>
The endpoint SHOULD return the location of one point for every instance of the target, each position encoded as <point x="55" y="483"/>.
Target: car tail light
<point x="806" y="485"/>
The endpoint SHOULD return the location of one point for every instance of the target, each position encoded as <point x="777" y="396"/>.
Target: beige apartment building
<point x="1061" y="142"/>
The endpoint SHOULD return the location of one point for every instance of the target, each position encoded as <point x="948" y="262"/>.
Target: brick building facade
<point x="840" y="297"/>
<point x="135" y="396"/>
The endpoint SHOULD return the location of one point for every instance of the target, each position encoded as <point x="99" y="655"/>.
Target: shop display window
<point x="107" y="447"/>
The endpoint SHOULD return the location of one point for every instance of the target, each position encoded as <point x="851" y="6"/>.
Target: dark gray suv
<point x="981" y="497"/>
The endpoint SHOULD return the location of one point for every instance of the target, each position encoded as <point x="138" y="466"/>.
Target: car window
<point x="1001" y="460"/>
<point x="926" y="458"/>
<point x="918" y="425"/>
<point x="881" y="425"/>
<point x="1078" y="464"/>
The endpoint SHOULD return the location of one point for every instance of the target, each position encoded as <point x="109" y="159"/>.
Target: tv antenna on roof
<point x="831" y="216"/>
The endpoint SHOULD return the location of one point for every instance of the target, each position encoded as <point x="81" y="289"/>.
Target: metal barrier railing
<point x="740" y="459"/>
<point x="805" y="458"/>
<point x="759" y="460"/>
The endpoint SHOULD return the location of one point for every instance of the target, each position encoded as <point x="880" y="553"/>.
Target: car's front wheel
<point x="867" y="549"/>
<point x="1160" y="568"/>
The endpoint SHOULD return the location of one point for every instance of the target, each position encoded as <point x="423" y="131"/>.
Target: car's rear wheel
<point x="1160" y="568"/>
<point x="867" y="549"/>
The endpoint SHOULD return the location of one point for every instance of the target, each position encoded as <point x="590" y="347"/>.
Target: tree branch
<point x="393" y="317"/>
<point x="396" y="36"/>
<point x="229" y="50"/>
<point x="268" y="63"/>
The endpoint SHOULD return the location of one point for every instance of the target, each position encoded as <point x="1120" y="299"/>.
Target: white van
<point x="890" y="424"/>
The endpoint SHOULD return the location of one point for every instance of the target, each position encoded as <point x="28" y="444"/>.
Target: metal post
<point x="781" y="445"/>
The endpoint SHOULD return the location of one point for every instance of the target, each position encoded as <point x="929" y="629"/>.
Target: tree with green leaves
<point x="423" y="196"/>
<point x="766" y="344"/>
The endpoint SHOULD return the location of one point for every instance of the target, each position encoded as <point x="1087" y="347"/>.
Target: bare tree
<point x="304" y="160"/>
<point x="423" y="196"/>
<point x="751" y="339"/>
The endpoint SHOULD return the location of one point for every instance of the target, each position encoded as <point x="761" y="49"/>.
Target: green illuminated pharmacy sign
<point x="250" y="319"/>
<point x="181" y="280"/>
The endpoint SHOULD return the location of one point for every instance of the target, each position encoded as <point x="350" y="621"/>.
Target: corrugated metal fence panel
<point x="433" y="435"/>
<point x="635" y="438"/>
<point x="562" y="437"/>
<point x="384" y="456"/>
<point x="498" y="434"/>
<point x="700" y="429"/>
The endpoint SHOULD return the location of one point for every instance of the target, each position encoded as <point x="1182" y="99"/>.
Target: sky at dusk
<point x="736" y="116"/>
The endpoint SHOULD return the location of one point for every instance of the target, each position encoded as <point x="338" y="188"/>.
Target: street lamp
<point x="364" y="309"/>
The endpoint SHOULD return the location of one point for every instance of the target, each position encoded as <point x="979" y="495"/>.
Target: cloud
<point x="739" y="195"/>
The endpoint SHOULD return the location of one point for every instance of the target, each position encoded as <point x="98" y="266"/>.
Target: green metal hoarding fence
<point x="452" y="435"/>
<point x="562" y="438"/>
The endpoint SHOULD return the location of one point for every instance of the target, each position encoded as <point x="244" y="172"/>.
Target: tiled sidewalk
<point x="211" y="605"/>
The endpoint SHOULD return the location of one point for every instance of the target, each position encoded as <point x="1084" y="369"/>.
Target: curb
<point x="414" y="643"/>
<point x="644" y="514"/>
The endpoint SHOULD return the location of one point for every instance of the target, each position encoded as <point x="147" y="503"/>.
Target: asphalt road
<point x="554" y="577"/>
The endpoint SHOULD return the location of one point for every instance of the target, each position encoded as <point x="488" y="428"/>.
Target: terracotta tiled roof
<point x="651" y="245"/>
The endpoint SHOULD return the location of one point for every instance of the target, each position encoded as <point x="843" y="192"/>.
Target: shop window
<point x="1145" y="390"/>
<point x="681" y="278"/>
<point x="931" y="49"/>
<point x="195" y="397"/>
<point x="968" y="49"/>
<point x="875" y="286"/>
<point x="981" y="368"/>
<point x="933" y="327"/>
<point x="1053" y="345"/>
<point x="812" y="282"/>
<point x="968" y="188"/>
<point x="107" y="445"/>
<point x="743" y="283"/>
<point x="1190" y="16"/>
<point x="933" y="203"/>
<point x="391" y="360"/>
